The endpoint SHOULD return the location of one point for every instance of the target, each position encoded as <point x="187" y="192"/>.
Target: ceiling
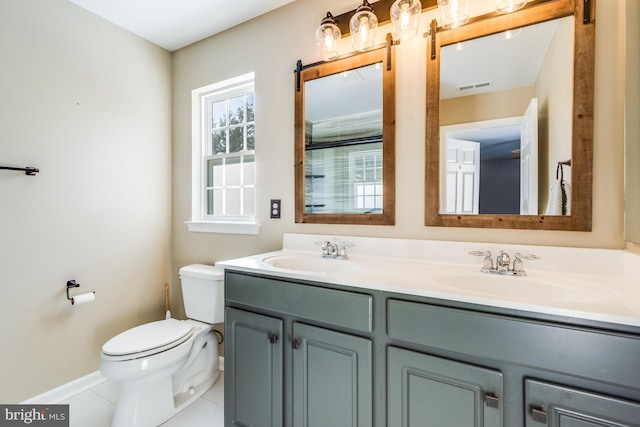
<point x="358" y="91"/>
<point x="496" y="62"/>
<point x="173" y="24"/>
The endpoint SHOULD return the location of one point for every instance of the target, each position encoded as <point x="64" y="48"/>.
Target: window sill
<point x="223" y="227"/>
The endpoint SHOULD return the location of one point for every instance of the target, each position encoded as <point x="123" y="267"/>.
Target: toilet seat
<point x="147" y="339"/>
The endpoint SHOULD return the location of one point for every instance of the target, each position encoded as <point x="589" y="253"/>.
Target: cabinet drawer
<point x="346" y="309"/>
<point x="589" y="353"/>
<point x="557" y="405"/>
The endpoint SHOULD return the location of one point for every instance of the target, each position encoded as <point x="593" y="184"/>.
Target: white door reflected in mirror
<point x="463" y="176"/>
<point x="491" y="166"/>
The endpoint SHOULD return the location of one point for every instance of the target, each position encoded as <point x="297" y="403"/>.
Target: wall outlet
<point x="275" y="208"/>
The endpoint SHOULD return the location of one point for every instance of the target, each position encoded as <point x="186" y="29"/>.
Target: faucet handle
<point x="480" y="253"/>
<point x="342" y="252"/>
<point x="487" y="264"/>
<point x="529" y="257"/>
<point x="325" y="246"/>
<point x="518" y="265"/>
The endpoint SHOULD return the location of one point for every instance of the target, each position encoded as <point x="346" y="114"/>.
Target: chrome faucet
<point x="334" y="250"/>
<point x="503" y="263"/>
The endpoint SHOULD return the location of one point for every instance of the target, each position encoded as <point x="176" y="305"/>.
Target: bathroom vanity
<point x="381" y="342"/>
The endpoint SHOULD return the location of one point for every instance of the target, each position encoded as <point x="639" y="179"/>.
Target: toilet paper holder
<point x="71" y="284"/>
<point x="79" y="299"/>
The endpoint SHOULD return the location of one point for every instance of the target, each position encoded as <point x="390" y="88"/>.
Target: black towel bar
<point x="28" y="170"/>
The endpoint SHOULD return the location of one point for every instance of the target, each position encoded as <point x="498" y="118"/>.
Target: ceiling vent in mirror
<point x="479" y="85"/>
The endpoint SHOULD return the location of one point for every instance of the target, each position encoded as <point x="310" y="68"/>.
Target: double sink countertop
<point x="594" y="284"/>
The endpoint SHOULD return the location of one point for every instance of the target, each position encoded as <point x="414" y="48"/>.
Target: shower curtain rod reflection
<point x="27" y="170"/>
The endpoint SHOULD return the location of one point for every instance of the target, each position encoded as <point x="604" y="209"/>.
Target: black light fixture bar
<point x="381" y="8"/>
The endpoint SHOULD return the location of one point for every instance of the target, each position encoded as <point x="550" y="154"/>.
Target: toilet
<point x="164" y="366"/>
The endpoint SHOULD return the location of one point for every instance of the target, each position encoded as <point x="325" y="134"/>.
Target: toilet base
<point x="150" y="404"/>
<point x="185" y="399"/>
<point x="144" y="404"/>
<point x="152" y="400"/>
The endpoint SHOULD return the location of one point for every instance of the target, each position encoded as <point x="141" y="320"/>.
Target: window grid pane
<point x="232" y="126"/>
<point x="228" y="157"/>
<point x="366" y="175"/>
<point x="230" y="186"/>
<point x="219" y="114"/>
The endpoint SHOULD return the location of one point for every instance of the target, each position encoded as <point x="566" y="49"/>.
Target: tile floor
<point x="94" y="408"/>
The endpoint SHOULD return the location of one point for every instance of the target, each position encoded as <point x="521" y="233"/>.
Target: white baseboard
<point x="68" y="390"/>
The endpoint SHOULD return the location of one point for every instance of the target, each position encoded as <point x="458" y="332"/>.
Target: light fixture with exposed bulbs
<point x="405" y="16"/>
<point x="508" y="6"/>
<point x="455" y="13"/>
<point x="327" y="36"/>
<point x="363" y="26"/>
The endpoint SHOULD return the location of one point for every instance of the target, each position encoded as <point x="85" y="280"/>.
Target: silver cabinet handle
<point x="539" y="415"/>
<point x="491" y="401"/>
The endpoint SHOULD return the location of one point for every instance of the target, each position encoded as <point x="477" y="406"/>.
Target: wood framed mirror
<point x="537" y="171"/>
<point x="345" y="140"/>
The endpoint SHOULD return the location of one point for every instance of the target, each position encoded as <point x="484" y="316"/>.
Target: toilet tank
<point x="203" y="292"/>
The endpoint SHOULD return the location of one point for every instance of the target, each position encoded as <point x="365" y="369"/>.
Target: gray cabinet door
<point x="332" y="378"/>
<point x="559" y="406"/>
<point x="253" y="370"/>
<point x="430" y="391"/>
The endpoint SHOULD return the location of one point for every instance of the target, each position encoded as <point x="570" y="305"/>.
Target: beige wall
<point x="88" y="104"/>
<point x="555" y="106"/>
<point x="270" y="46"/>
<point x="486" y="106"/>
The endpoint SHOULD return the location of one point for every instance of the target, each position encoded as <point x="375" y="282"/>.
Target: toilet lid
<point x="148" y="337"/>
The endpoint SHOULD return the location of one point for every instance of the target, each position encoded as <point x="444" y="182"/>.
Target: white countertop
<point x="593" y="284"/>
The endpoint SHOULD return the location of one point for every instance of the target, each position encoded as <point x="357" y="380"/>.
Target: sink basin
<point x="530" y="288"/>
<point x="313" y="264"/>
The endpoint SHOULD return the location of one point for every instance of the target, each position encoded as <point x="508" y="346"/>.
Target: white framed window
<point x="223" y="157"/>
<point x="366" y="175"/>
